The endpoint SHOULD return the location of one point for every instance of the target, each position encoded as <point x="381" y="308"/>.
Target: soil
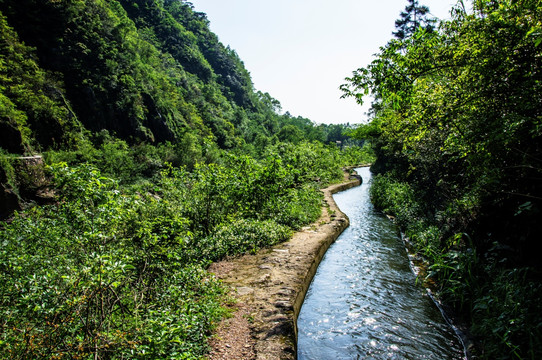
<point x="269" y="288"/>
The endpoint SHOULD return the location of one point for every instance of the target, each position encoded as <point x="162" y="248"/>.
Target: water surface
<point x="363" y="302"/>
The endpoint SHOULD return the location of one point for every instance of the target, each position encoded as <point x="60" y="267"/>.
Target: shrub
<point x="90" y="275"/>
<point x="116" y="269"/>
<point x="396" y="198"/>
<point x="240" y="236"/>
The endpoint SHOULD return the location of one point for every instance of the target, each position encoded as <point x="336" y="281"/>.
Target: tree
<point x="290" y="133"/>
<point x="412" y="18"/>
<point x="457" y="126"/>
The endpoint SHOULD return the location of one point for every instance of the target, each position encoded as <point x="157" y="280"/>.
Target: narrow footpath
<point x="270" y="287"/>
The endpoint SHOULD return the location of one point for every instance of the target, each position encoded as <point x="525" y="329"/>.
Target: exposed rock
<point x="30" y="182"/>
<point x="9" y="202"/>
<point x="10" y="137"/>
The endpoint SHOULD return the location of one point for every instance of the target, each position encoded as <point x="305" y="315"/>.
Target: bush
<point x="298" y="207"/>
<point x="116" y="269"/>
<point x="241" y="236"/>
<point x="355" y="155"/>
<point x="91" y="276"/>
<point x="506" y="314"/>
<point x="310" y="161"/>
<point x="396" y="198"/>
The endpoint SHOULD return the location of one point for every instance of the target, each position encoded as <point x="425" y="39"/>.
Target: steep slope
<point x="145" y="70"/>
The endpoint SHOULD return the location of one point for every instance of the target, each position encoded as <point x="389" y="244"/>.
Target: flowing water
<point x="363" y="302"/>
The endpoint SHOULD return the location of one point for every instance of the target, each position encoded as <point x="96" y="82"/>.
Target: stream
<point x="363" y="302"/>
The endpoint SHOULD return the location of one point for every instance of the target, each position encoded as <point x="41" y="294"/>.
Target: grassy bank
<point x="498" y="298"/>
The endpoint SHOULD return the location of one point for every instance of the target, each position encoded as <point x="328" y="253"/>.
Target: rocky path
<point x="269" y="288"/>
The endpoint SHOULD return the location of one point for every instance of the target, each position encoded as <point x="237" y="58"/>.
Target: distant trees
<point x="144" y="70"/>
<point x="290" y="133"/>
<point x="414" y="16"/>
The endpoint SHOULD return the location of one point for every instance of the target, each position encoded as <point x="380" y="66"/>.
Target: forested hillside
<point x="135" y="151"/>
<point x="143" y="70"/>
<point x="458" y="137"/>
<point x="80" y="74"/>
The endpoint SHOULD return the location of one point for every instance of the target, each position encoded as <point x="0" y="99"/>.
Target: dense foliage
<point x="156" y="157"/>
<point x="145" y="70"/>
<point x="115" y="81"/>
<point x="100" y="273"/>
<point x="456" y="130"/>
<point x="115" y="267"/>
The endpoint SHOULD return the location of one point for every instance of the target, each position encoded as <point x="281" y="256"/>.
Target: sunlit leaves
<point x="112" y="270"/>
<point x="83" y="277"/>
<point x="457" y="126"/>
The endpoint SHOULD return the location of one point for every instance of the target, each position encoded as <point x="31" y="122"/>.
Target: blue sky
<point x="300" y="51"/>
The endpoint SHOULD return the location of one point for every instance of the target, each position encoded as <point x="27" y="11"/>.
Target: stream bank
<point x="364" y="301"/>
<point x="269" y="287"/>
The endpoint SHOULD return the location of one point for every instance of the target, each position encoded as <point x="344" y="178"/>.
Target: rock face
<point x="9" y="202"/>
<point x="270" y="286"/>
<point x="10" y="137"/>
<point x="29" y="184"/>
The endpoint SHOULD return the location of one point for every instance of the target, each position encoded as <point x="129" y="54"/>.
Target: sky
<point x="300" y="51"/>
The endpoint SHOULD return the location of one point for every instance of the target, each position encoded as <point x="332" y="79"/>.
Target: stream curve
<point x="363" y="302"/>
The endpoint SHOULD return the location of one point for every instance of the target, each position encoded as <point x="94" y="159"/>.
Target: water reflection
<point x="363" y="302"/>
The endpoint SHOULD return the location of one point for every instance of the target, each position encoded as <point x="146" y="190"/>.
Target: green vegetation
<point x="116" y="266"/>
<point x="114" y="271"/>
<point x="157" y="157"/>
<point x="101" y="273"/>
<point x="456" y="131"/>
<point x="146" y="71"/>
<point x="116" y="81"/>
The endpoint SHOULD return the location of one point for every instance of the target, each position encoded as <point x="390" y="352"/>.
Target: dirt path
<point x="270" y="288"/>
